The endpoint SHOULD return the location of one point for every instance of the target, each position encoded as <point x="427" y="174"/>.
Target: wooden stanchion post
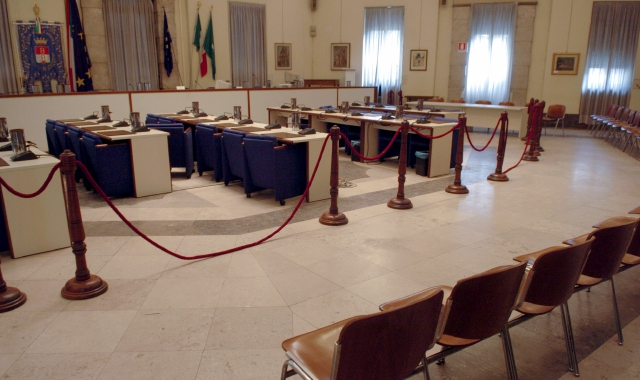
<point x="334" y="217"/>
<point x="498" y="175"/>
<point x="10" y="298"/>
<point x="531" y="154"/>
<point x="84" y="285"/>
<point x="458" y="187"/>
<point x="538" y="124"/>
<point x="400" y="202"/>
<point x="529" y="116"/>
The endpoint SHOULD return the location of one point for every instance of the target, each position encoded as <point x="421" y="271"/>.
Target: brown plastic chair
<point x="483" y="102"/>
<point x="556" y="271"/>
<point x="457" y="101"/>
<point x="385" y="345"/>
<point x="506" y="104"/>
<point x="555" y="114"/>
<point x="597" y="119"/>
<point x="607" y="251"/>
<point x="479" y="307"/>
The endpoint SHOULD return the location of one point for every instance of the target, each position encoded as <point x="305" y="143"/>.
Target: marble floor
<point x="225" y="317"/>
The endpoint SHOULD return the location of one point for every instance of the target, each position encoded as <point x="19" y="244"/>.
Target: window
<point x="490" y="52"/>
<point x="382" y="48"/>
<point x="131" y="37"/>
<point x="248" y="54"/>
<point x="609" y="67"/>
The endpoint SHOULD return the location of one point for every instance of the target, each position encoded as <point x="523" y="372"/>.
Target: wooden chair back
<point x="611" y="110"/>
<point x="624" y="115"/>
<point x="481" y="304"/>
<point x="483" y="102"/>
<point x="555" y="274"/>
<point x="457" y="101"/>
<point x="556" y="111"/>
<point x="506" y="104"/>
<point x="390" y="344"/>
<point x="609" y="247"/>
<point x="636" y="120"/>
<point x="435" y="99"/>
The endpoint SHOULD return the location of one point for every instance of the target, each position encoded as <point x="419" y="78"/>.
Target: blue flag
<point x="81" y="59"/>
<point x="168" y="55"/>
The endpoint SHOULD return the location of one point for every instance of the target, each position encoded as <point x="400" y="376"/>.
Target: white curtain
<point x="131" y="38"/>
<point x="382" y="48"/>
<point x="8" y="83"/>
<point x="490" y="52"/>
<point x="248" y="54"/>
<point x="611" y="53"/>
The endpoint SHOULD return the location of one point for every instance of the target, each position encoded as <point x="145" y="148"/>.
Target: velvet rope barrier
<point x="213" y="254"/>
<point x="526" y="145"/>
<point x="38" y="192"/>
<point x="466" y="131"/>
<point x="417" y="132"/>
<point x="379" y="156"/>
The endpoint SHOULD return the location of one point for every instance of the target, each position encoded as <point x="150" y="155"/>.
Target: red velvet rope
<point x="433" y="137"/>
<point x="39" y="191"/>
<point x="213" y="254"/>
<point x="466" y="131"/>
<point x="379" y="156"/>
<point x="526" y="145"/>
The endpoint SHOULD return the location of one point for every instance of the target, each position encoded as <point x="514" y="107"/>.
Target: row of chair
<point x="620" y="126"/>
<point x="109" y="164"/>
<point x="392" y="344"/>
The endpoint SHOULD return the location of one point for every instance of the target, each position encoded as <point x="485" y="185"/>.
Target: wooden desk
<point x="149" y="160"/>
<point x="438" y="160"/>
<point x="39" y="224"/>
<point x="486" y="115"/>
<point x="322" y="82"/>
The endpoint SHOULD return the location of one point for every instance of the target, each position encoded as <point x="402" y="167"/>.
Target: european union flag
<point x="168" y="55"/>
<point x="81" y="59"/>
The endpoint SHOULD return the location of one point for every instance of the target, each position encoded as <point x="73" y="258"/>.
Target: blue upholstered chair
<point x="110" y="165"/>
<point x="52" y="142"/>
<point x="271" y="166"/>
<point x="209" y="150"/>
<point x="74" y="135"/>
<point x="165" y="120"/>
<point x="180" y="145"/>
<point x="153" y="119"/>
<point x="232" y="156"/>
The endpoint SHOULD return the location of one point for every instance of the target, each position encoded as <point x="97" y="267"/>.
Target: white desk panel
<point x="39" y="224"/>
<point x="355" y="94"/>
<point x="310" y="97"/>
<point x="213" y="102"/>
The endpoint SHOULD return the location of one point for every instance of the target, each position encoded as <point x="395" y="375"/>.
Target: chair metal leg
<point x="616" y="312"/>
<point x="283" y="375"/>
<point x="571" y="344"/>
<point x="425" y="369"/>
<point x="512" y="373"/>
<point x="566" y="338"/>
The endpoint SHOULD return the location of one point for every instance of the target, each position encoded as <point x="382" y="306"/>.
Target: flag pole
<point x="70" y="70"/>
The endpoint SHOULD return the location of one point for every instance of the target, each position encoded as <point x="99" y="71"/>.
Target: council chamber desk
<point x="149" y="155"/>
<point x="485" y="115"/>
<point x="438" y="161"/>
<point x="320" y="187"/>
<point x="32" y="225"/>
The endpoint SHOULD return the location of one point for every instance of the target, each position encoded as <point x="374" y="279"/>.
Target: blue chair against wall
<point x="272" y="166"/>
<point x="233" y="167"/>
<point x="109" y="164"/>
<point x="209" y="150"/>
<point x="75" y="145"/>
<point x="52" y="142"/>
<point x="180" y="145"/>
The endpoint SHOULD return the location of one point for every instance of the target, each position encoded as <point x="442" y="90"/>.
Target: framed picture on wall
<point x="418" y="61"/>
<point x="565" y="63"/>
<point x="283" y="56"/>
<point x="340" y="56"/>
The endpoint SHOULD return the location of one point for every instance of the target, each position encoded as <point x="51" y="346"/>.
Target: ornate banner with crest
<point x="41" y="54"/>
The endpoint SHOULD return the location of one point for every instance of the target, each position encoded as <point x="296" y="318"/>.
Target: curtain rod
<point x="517" y="3"/>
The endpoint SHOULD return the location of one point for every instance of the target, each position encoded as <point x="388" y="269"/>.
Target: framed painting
<point x="340" y="56"/>
<point x="283" y="56"/>
<point x="565" y="63"/>
<point x="418" y="61"/>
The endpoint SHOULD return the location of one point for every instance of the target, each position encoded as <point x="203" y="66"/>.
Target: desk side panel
<point x="39" y="224"/>
<point x="151" y="167"/>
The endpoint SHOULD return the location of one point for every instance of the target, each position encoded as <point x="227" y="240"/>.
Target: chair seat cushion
<point x="532" y="308"/>
<point x="452" y="341"/>
<point x="588" y="281"/>
<point x="630" y="259"/>
<point x="314" y="350"/>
